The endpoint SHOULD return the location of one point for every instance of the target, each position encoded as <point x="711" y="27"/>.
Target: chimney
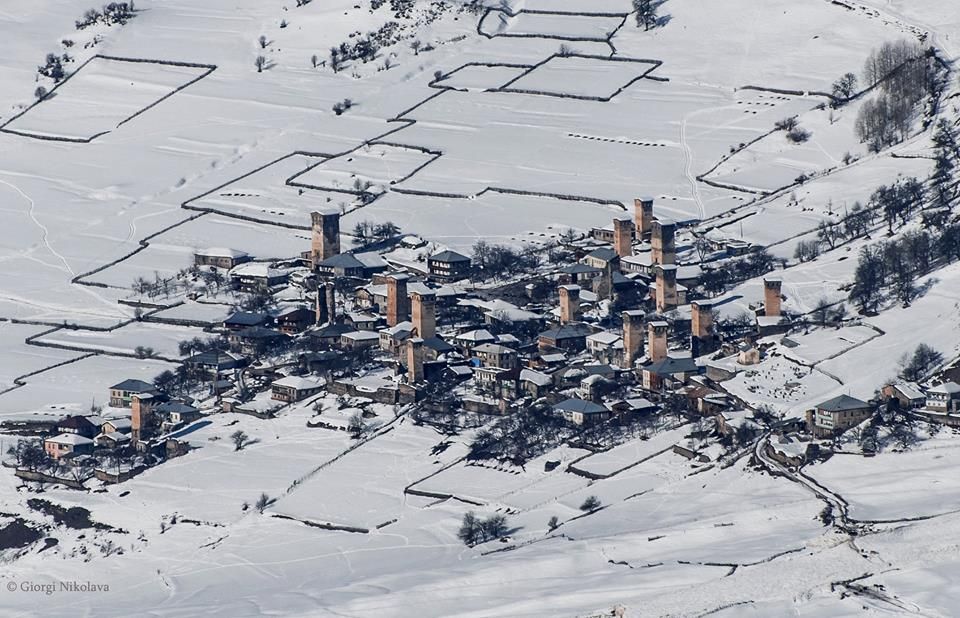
<point x="701" y="318"/>
<point x="632" y="337"/>
<point x="423" y="309"/>
<point x="666" y="287"/>
<point x="397" y="300"/>
<point x="623" y="237"/>
<point x="657" y="334"/>
<point x="330" y="294"/>
<point x="663" y="245"/>
<point x="325" y="241"/>
<point x="771" y="297"/>
<point x="569" y="303"/>
<point x="643" y="216"/>
<point x="414" y="360"/>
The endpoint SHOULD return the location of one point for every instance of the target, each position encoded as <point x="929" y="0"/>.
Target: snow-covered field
<point x="239" y="158"/>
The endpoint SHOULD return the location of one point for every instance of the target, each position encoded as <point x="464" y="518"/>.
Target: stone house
<point x="581" y="412"/>
<point x="837" y="415"/>
<point x="295" y="388"/>
<point x="121" y="394"/>
<point x="220" y="257"/>
<point x="448" y="266"/>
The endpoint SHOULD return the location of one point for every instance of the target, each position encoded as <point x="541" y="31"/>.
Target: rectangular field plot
<point x="365" y="488"/>
<point x="551" y="25"/>
<point x="263" y="195"/>
<point x="827" y="343"/>
<point x="103" y="94"/>
<point x="371" y="168"/>
<point x="481" y="77"/>
<point x="19" y="358"/>
<point x="591" y="77"/>
<point x="163" y="338"/>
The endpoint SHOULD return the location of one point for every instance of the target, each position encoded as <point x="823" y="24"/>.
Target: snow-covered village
<point x="527" y="308"/>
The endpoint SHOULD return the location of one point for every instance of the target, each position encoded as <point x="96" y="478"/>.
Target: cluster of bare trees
<point x="903" y="73"/>
<point x="112" y="13"/>
<point x="474" y="530"/>
<point x="893" y="267"/>
<point x="716" y="279"/>
<point x="492" y="261"/>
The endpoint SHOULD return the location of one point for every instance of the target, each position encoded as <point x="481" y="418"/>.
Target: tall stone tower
<point x="663" y="244"/>
<point x="632" y="337"/>
<point x="397" y="300"/>
<point x="325" y="241"/>
<point x="657" y="335"/>
<point x="666" y="287"/>
<point x="423" y="311"/>
<point x="771" y="297"/>
<point x="701" y="313"/>
<point x="330" y="297"/>
<point x="414" y="360"/>
<point x="141" y="410"/>
<point x="569" y="303"/>
<point x="643" y="216"/>
<point x="623" y="237"/>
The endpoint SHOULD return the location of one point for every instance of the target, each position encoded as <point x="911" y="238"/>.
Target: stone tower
<point x="623" y="237"/>
<point x="666" y="287"/>
<point x="569" y="303"/>
<point x="414" y="360"/>
<point x="423" y="311"/>
<point x="141" y="411"/>
<point x="663" y="245"/>
<point x="397" y="300"/>
<point x="643" y="216"/>
<point x="632" y="337"/>
<point x="771" y="297"/>
<point x="701" y="313"/>
<point x="657" y="335"/>
<point x="325" y="241"/>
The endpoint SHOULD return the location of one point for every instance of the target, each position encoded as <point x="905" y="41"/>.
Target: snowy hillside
<point x="187" y="130"/>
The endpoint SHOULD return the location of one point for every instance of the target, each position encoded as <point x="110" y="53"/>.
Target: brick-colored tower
<point x="771" y="297"/>
<point x="663" y="245"/>
<point x="423" y="312"/>
<point x="414" y="360"/>
<point x="398" y="308"/>
<point x="623" y="236"/>
<point x="643" y="216"/>
<point x="701" y="318"/>
<point x="666" y="287"/>
<point x="632" y="337"/>
<point x="325" y="242"/>
<point x="657" y="344"/>
<point x="141" y="410"/>
<point x="569" y="303"/>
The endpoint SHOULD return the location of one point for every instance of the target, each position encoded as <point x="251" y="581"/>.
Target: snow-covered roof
<point x="604" y="337"/>
<point x="536" y="377"/>
<point x="72" y="439"/>
<point x="480" y="334"/>
<point x="361" y="335"/>
<point x="947" y="388"/>
<point x="400" y="328"/>
<point x="298" y="382"/>
<point x="257" y="269"/>
<point x="222" y="252"/>
<point x="493" y="348"/>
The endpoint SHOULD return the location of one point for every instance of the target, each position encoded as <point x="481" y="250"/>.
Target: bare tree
<point x="260" y="62"/>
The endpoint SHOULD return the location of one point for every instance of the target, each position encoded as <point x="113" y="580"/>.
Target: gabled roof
<point x="671" y="365"/>
<point x="603" y="253"/>
<point x="536" y="377"/>
<point x="579" y="405"/>
<point x="438" y="345"/>
<point x="841" y="403"/>
<point x="342" y="260"/>
<point x="247" y="318"/>
<point x="120" y="424"/>
<point x="947" y="388"/>
<point x="480" y="334"/>
<point x="70" y="438"/>
<point x="401" y="328"/>
<point x="215" y="358"/>
<point x="299" y="383"/>
<point x="134" y="386"/>
<point x="494" y="348"/>
<point x="75" y="422"/>
<point x="171" y="407"/>
<point x="567" y="331"/>
<point x="449" y="256"/>
<point x="221" y="252"/>
<point x="580" y="269"/>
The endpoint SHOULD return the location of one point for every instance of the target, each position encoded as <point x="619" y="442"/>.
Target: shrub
<point x="590" y="504"/>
